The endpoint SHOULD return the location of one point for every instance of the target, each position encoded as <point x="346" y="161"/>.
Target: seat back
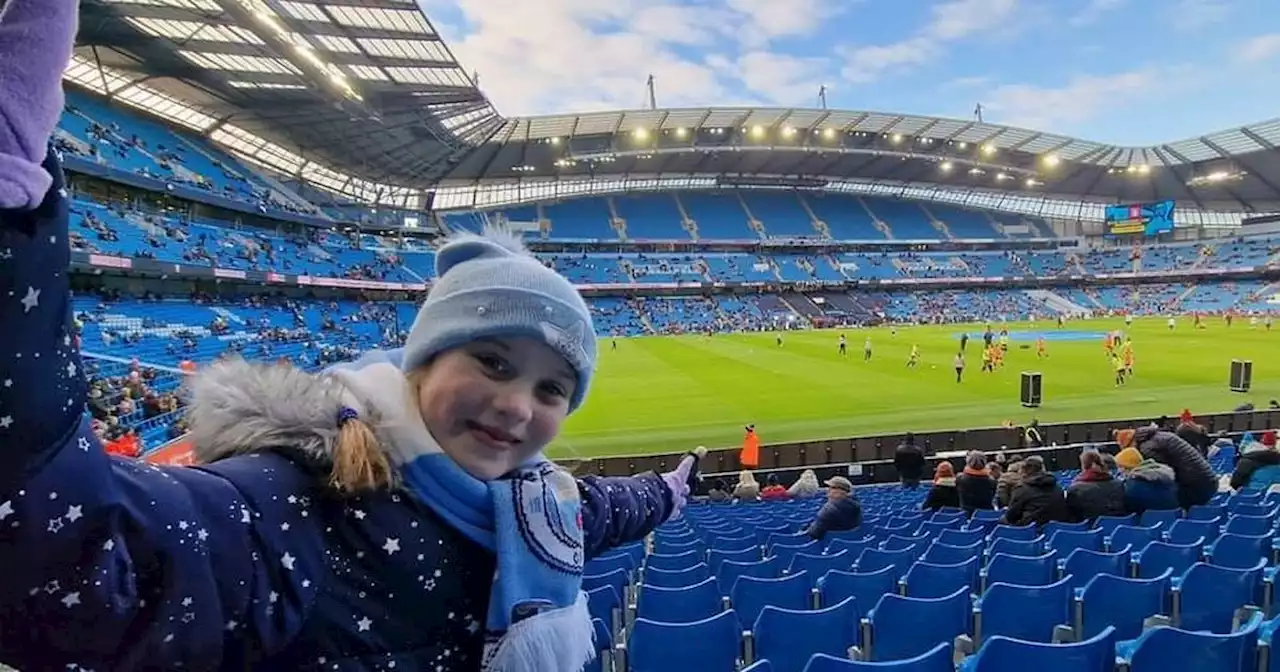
<point x="717" y="557"/>
<point x="1207" y="512"/>
<point x="1159" y="556"/>
<point x="931" y="621"/>
<point x="731" y="571"/>
<point x="1115" y="602"/>
<point x="1028" y="613"/>
<point x="925" y="579"/>
<point x="618" y="579"/>
<point x="1066" y="541"/>
<point x="1023" y="533"/>
<point x="711" y="645"/>
<point x="1164" y="649"/>
<point x="607" y="563"/>
<point x="1160" y="518"/>
<point x="1021" y="571"/>
<point x="677" y="579"/>
<point x="787" y="638"/>
<point x="1027" y="549"/>
<point x="854" y="547"/>
<point x="1136" y="538"/>
<point x="751" y="594"/>
<point x="1187" y="531"/>
<point x="785" y="552"/>
<point x="937" y="659"/>
<point x="1108" y="524"/>
<point x="679" y="605"/>
<point x="674" y="562"/>
<point x="1239" y="550"/>
<point x="817" y="566"/>
<point x="946" y="554"/>
<point x="604" y="646"/>
<point x="956" y="537"/>
<point x="874" y="559"/>
<point x="1082" y="565"/>
<point x="1054" y="526"/>
<point x="1002" y="654"/>
<point x="1249" y="525"/>
<point x="1210" y="595"/>
<point x="865" y="587"/>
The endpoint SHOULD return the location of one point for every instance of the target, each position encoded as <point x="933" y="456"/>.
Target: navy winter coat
<point x="249" y="562"/>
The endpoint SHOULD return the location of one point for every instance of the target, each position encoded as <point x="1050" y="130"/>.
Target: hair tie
<point x="347" y="413"/>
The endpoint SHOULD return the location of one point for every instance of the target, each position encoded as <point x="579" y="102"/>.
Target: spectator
<point x="908" y="460"/>
<point x="1195" y="478"/>
<point x="1039" y="499"/>
<point x="976" y="487"/>
<point x="944" y="492"/>
<point x="719" y="491"/>
<point x="1094" y="492"/>
<point x="747" y="489"/>
<point x="772" y="490"/>
<point x="1008" y="482"/>
<point x="1259" y="465"/>
<point x="1195" y="435"/>
<point x="841" y="512"/>
<point x="806" y="486"/>
<point x="996" y="470"/>
<point x="1148" y="485"/>
<point x="1031" y="437"/>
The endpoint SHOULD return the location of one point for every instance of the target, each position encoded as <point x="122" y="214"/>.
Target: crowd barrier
<point x="869" y="459"/>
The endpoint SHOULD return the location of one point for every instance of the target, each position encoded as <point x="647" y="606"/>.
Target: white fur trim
<point x="560" y="640"/>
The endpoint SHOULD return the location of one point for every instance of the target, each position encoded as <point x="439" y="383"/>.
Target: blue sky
<point x="1130" y="72"/>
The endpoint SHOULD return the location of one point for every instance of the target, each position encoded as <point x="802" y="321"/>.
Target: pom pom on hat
<point x="1129" y="458"/>
<point x="490" y="286"/>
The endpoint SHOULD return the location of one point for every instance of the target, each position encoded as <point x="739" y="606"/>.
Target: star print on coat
<point x="249" y="563"/>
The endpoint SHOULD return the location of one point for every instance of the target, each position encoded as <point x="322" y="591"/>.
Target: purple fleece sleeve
<point x="36" y="38"/>
<point x="617" y="510"/>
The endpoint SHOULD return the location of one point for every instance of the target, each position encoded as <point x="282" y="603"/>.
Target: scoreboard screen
<point x="1140" y="219"/>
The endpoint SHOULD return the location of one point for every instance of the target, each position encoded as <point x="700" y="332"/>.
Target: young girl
<point x="396" y="513"/>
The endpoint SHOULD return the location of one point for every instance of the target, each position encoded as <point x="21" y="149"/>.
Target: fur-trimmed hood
<point x="240" y="407"/>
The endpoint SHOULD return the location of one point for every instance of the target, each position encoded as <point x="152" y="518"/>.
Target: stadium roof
<point x="1228" y="169"/>
<point x="327" y="90"/>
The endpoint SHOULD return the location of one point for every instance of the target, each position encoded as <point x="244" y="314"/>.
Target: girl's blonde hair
<point x="359" y="462"/>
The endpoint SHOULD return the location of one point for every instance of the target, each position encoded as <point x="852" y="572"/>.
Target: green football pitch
<point x="670" y="393"/>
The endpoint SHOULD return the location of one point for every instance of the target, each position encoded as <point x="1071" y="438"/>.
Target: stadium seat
<point x="1108" y="524"/>
<point x="674" y="563"/>
<point x="945" y="554"/>
<point x="679" y="605"/>
<point x="1206" y="596"/>
<point x="1020" y="570"/>
<point x="710" y="645"/>
<point x="817" y="566"/>
<point x="873" y="560"/>
<point x="1109" y="601"/>
<point x="865" y="587"/>
<point x="1188" y="531"/>
<point x="932" y="621"/>
<point x="1005" y="654"/>
<point x="1066" y="541"/>
<point x="1083" y="565"/>
<point x="731" y="571"/>
<point x="928" y="580"/>
<point x="1029" y="613"/>
<point x="1157" y="556"/>
<point x="789" y="638"/>
<point x="1025" y="533"/>
<point x="1132" y="537"/>
<point x="1165" y="648"/>
<point x="661" y="578"/>
<point x="962" y="538"/>
<point x="1239" y="550"/>
<point x="1024" y="548"/>
<point x="751" y="594"/>
<point x="937" y="659"/>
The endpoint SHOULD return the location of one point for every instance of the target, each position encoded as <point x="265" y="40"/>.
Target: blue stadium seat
<point x="788" y="638"/>
<point x="607" y="563"/>
<point x="734" y="543"/>
<point x="675" y="563"/>
<point x="1206" y="596"/>
<point x="937" y="659"/>
<point x="1188" y="531"/>
<point x="1020" y="570"/>
<point x="928" y="580"/>
<point x="1024" y="533"/>
<point x="853" y="547"/>
<point x="817" y="566"/>
<point x="677" y="579"/>
<point x="679" y="605"/>
<point x="1054" y="526"/>
<point x="962" y="538"/>
<point x="1028" y="548"/>
<point x="1163" y="519"/>
<point x="932" y="621"/>
<point x="1238" y="550"/>
<point x="946" y="554"/>
<point x="1066" y="541"/>
<point x="605" y="604"/>
<point x="785" y="552"/>
<point x="1135" y="538"/>
<point x="1158" y="556"/>
<point x="1207" y="512"/>
<point x="865" y="587"/>
<point x="1028" y="613"/>
<point x="731" y="571"/>
<point x="751" y="594"/>
<point x="1082" y="565"/>
<point x="711" y="645"/>
<point x="1249" y="525"/>
<point x="618" y="579"/>
<point x="1108" y="524"/>
<point x="1164" y="649"/>
<point x="1111" y="601"/>
<point x="716" y="557"/>
<point x="874" y="559"/>
<point x="604" y="648"/>
<point x="1005" y="654"/>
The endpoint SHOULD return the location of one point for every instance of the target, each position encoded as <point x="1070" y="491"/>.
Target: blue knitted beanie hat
<point x="490" y="286"/>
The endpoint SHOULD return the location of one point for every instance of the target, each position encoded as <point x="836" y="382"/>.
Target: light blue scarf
<point x="531" y="520"/>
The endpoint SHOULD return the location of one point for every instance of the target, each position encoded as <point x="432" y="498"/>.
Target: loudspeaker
<point x="1241" y="375"/>
<point x="1030" y="389"/>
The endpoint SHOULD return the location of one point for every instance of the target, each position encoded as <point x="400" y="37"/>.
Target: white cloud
<point x="767" y="20"/>
<point x="1191" y="15"/>
<point x="1094" y="11"/>
<point x="1082" y="99"/>
<point x="782" y="79"/>
<point x="1258" y="49"/>
<point x="949" y="22"/>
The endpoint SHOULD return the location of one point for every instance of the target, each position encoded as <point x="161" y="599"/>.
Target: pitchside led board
<point x="1140" y="219"/>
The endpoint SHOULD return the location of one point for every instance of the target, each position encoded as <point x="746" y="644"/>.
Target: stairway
<point x="996" y="224"/>
<point x="881" y="226"/>
<point x="1058" y="302"/>
<point x="625" y="265"/>
<point x="938" y="225"/>
<point x="755" y="224"/>
<point x="1177" y="301"/>
<point x="818" y="225"/>
<point x="777" y="271"/>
